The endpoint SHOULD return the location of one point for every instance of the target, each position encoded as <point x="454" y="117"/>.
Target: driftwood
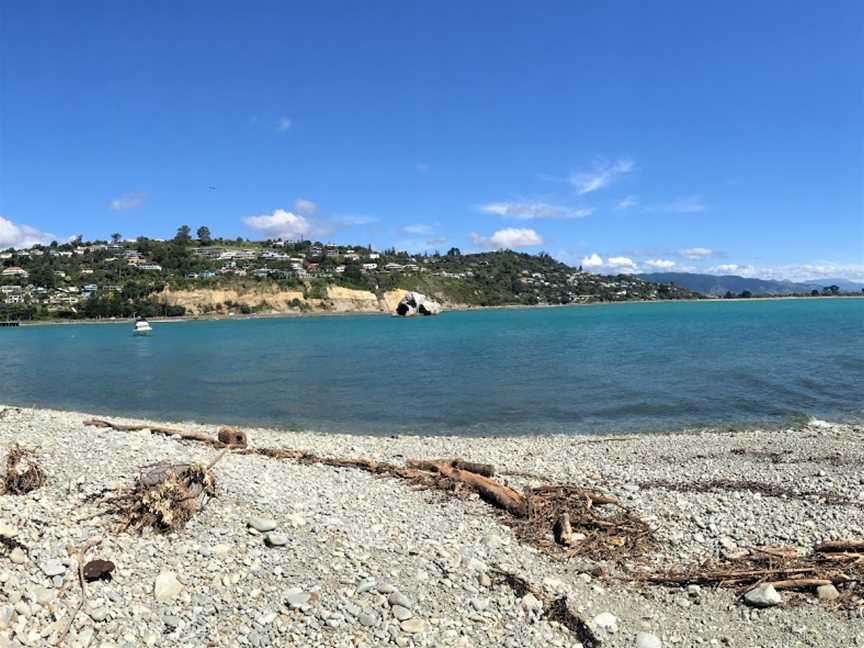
<point x="532" y="513"/>
<point x="489" y="490"/>
<point x="841" y="546"/>
<point x="171" y="432"/>
<point x="82" y="582"/>
<point x="784" y="568"/>
<point x="231" y="436"/>
<point x="562" y="530"/>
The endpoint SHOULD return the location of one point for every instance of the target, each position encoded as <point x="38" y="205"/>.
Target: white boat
<point x="142" y="327"/>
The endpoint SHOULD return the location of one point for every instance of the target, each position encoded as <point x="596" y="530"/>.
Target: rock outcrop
<point x="414" y="303"/>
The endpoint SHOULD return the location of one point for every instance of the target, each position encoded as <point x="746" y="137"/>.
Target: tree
<point x="814" y="293"/>
<point x="746" y="294"/>
<point x="183" y="234"/>
<point x="116" y="237"/>
<point x="203" y="234"/>
<point x="454" y="252"/>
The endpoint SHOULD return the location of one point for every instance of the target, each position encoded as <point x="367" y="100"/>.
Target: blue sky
<point x="629" y="135"/>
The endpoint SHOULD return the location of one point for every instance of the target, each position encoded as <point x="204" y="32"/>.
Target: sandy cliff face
<point x="271" y="299"/>
<point x="200" y="301"/>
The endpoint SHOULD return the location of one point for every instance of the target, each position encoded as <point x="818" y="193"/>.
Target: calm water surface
<point x="608" y="368"/>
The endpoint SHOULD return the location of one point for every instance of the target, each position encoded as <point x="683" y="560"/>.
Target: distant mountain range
<point x="721" y="284"/>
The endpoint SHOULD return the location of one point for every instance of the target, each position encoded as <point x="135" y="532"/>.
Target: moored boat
<point x="142" y="327"/>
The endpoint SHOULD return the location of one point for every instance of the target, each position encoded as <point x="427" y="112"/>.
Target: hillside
<point x="184" y="276"/>
<point x="721" y="284"/>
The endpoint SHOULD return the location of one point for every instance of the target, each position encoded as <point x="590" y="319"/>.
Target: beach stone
<point x="296" y="520"/>
<point x="98" y="569"/>
<point x="413" y="626"/>
<point x="296" y="600"/>
<point x="398" y="598"/>
<point x="167" y="586"/>
<point x="52" y="568"/>
<point x="480" y="604"/>
<point x="42" y="595"/>
<point x="530" y="603"/>
<point x="7" y="616"/>
<point x="367" y="619"/>
<point x="606" y="621"/>
<point x="273" y="539"/>
<point x="98" y="614"/>
<point x="222" y="549"/>
<point x="365" y="586"/>
<point x="402" y="613"/>
<point x="827" y="593"/>
<point x="648" y="640"/>
<point x="17" y="556"/>
<point x="7" y="530"/>
<point x="261" y="524"/>
<point x="763" y="596"/>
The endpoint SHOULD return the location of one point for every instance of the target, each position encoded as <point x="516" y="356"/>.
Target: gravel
<point x="368" y="561"/>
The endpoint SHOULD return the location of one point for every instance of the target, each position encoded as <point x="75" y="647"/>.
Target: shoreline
<point x="353" y="538"/>
<point x="452" y="309"/>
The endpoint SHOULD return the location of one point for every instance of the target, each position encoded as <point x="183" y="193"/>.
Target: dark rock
<point x="98" y="570"/>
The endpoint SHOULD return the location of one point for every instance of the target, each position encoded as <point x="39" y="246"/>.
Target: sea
<point x="599" y="369"/>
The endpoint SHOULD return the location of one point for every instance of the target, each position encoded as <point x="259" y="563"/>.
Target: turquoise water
<point x="605" y="368"/>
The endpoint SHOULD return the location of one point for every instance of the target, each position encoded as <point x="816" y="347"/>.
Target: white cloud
<point x="622" y="263"/>
<point x="418" y="229"/>
<point x="280" y="224"/>
<point x="284" y="124"/>
<point x="305" y="207"/>
<point x="593" y="261"/>
<point x="128" y="201"/>
<point x="515" y="237"/>
<point x="726" y="268"/>
<point x="627" y="203"/>
<point x="602" y="175"/>
<point x="660" y="264"/>
<point x="21" y="236"/>
<point x="805" y="272"/>
<point x="696" y="252"/>
<point x="619" y="264"/>
<point x="509" y="238"/>
<point x="533" y="211"/>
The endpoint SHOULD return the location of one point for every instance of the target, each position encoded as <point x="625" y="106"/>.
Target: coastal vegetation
<point x="120" y="278"/>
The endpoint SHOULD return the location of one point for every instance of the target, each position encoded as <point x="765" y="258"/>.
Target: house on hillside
<point x="15" y="272"/>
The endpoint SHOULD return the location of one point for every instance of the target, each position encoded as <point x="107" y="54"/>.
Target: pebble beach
<point x="312" y="555"/>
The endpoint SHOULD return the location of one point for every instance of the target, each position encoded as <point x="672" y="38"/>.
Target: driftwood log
<point x="489" y="490"/>
<point x="562" y="530"/>
<point x="841" y="546"/>
<point x="183" y="434"/>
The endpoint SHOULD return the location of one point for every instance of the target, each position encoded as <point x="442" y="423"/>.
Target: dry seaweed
<point x="23" y="473"/>
<point x="554" y="609"/>
<point x="164" y="497"/>
<point x="768" y="490"/>
<point x="605" y="531"/>
<point x="784" y="568"/>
